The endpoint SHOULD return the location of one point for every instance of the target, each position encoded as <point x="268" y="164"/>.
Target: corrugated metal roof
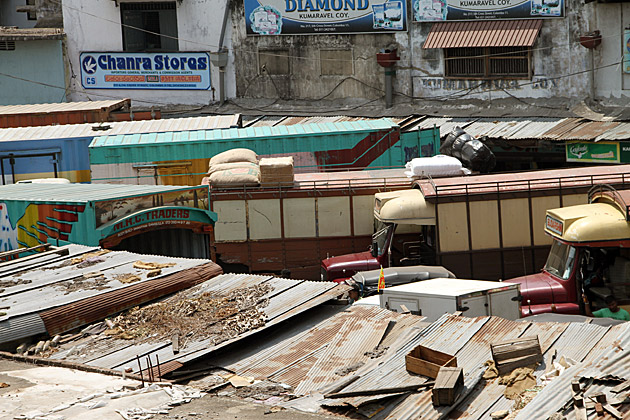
<point x="295" y="297"/>
<point x="581" y="130"/>
<point x="483" y="33"/>
<point x="8" y="33"/>
<point x="62" y="295"/>
<point x="234" y="134"/>
<point x="79" y="193"/>
<point x="61" y="107"/>
<point x="118" y="128"/>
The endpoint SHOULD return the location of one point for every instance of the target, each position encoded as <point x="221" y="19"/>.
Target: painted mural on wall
<point x="37" y="224"/>
<point x="443" y="10"/>
<point x="295" y="17"/>
<point x="110" y="210"/>
<point x="169" y="71"/>
<point x="626" y="50"/>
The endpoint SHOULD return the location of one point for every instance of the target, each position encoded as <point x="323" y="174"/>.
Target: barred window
<point x="7" y="45"/>
<point x="488" y="62"/>
<point x="149" y="27"/>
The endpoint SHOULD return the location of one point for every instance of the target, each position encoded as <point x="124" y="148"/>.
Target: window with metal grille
<point x="149" y="27"/>
<point x="7" y="45"/>
<point x="488" y="62"/>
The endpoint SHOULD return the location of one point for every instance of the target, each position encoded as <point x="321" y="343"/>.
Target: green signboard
<point x="600" y="152"/>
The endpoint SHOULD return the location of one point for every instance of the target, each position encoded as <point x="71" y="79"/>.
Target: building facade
<point x="158" y="53"/>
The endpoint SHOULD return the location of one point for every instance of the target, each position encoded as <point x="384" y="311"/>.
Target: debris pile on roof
<point x="383" y="388"/>
<point x="205" y="315"/>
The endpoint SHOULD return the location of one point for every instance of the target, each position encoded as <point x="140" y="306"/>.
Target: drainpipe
<point x="387" y="59"/>
<point x="590" y="41"/>
<point x="220" y="57"/>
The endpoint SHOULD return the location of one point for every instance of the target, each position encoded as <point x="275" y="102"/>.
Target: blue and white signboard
<point x="170" y="71"/>
<point x="300" y="17"/>
<point x="441" y="10"/>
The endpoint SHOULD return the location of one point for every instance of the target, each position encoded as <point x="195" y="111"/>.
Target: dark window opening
<point x="149" y="27"/>
<point x="31" y="15"/>
<point x="488" y="62"/>
<point x="7" y="45"/>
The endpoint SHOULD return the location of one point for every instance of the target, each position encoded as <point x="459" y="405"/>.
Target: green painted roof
<point x="78" y="193"/>
<point x="250" y="133"/>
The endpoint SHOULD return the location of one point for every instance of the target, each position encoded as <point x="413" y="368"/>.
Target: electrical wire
<point x="458" y="94"/>
<point x="246" y="50"/>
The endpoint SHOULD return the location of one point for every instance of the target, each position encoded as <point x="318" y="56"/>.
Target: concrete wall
<point x="612" y="85"/>
<point x="199" y="25"/>
<point x="9" y="17"/>
<point x="420" y="73"/>
<point x="38" y="61"/>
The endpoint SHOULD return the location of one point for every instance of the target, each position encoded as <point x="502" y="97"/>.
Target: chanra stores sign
<point x="171" y="71"/>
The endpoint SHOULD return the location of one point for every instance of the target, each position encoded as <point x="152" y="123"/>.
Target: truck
<point x="589" y="256"/>
<point x="480" y="226"/>
<point x="435" y="297"/>
<point x="288" y="229"/>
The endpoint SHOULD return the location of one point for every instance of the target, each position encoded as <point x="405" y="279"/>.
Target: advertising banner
<point x="299" y="17"/>
<point x="443" y="10"/>
<point x="170" y="71"/>
<point x="600" y="152"/>
<point x="110" y="211"/>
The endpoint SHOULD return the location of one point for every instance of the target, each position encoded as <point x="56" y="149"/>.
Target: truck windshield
<point x="380" y="238"/>
<point x="560" y="260"/>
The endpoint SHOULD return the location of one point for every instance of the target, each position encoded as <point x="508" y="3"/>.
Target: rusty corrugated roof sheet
<point x="286" y="298"/>
<point x="483" y="33"/>
<point x="579" y="129"/>
<point x="63" y="107"/>
<point x="66" y="295"/>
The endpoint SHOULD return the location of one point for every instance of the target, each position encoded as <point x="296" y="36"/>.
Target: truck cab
<point x="404" y="233"/>
<point x="589" y="256"/>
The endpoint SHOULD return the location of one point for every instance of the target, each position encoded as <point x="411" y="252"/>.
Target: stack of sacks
<point x="234" y="168"/>
<point x="274" y="171"/>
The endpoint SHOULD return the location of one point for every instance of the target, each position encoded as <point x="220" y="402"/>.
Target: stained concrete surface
<point x="71" y="393"/>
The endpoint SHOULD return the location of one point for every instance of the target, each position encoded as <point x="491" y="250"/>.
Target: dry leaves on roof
<point x="208" y="315"/>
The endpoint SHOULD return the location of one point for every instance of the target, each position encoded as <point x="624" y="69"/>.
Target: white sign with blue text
<point x="170" y="71"/>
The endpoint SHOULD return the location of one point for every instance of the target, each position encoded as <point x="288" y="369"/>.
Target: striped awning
<point x="483" y="33"/>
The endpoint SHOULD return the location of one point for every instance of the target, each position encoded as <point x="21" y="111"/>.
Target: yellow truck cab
<point x="590" y="255"/>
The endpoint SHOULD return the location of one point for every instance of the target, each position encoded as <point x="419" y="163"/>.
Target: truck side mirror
<point x="374" y="249"/>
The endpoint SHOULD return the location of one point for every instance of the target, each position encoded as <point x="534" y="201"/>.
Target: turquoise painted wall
<point x="39" y="68"/>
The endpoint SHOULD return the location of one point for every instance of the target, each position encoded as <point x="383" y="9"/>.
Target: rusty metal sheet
<point x="547" y="333"/>
<point x="620" y="132"/>
<point x="577" y="340"/>
<point x="92" y="130"/>
<point x="563" y="128"/>
<point x="62" y="107"/>
<point x="347" y="349"/>
<point x="589" y="130"/>
<point x="488" y="33"/>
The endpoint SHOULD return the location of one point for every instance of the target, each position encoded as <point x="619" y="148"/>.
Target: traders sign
<point x="440" y="10"/>
<point x="172" y="71"/>
<point x="294" y="17"/>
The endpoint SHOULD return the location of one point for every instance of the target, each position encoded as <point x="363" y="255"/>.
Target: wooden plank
<point x="579" y="408"/>
<point x="621" y="387"/>
<point x="513" y="341"/>
<point x="408" y="388"/>
<point x="510" y="365"/>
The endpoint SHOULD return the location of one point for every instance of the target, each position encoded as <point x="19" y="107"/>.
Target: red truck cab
<point x="589" y="256"/>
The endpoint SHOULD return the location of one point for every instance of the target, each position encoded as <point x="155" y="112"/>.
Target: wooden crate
<point x="448" y="384"/>
<point x="427" y="362"/>
<point x="511" y="354"/>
